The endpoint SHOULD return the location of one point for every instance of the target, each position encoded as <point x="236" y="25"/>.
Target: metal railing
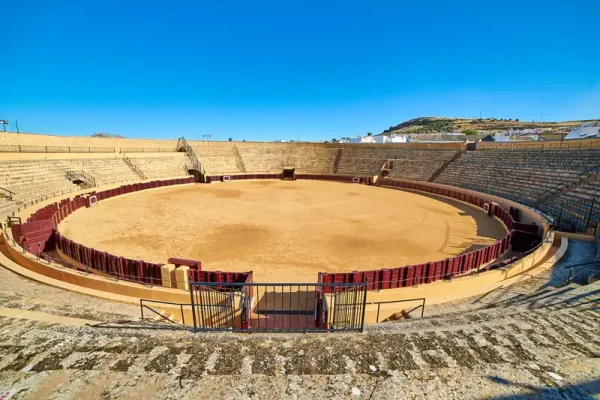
<point x="55" y="149"/>
<point x="147" y="150"/>
<point x="89" y="177"/>
<point x="278" y="307"/>
<point x="561" y="213"/>
<point x="421" y="306"/>
<point x="82" y="175"/>
<point x="6" y="193"/>
<point x="183" y="144"/>
<point x="162" y="316"/>
<point x="89" y="149"/>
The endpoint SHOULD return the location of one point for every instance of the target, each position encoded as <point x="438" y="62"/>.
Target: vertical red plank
<point x="419" y="271"/>
<point x="395" y="278"/>
<point x="439" y="270"/>
<point x="430" y="272"/>
<point x="385" y="281"/>
<point x="410" y="275"/>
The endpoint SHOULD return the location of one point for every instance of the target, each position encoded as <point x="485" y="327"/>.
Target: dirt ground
<point x="284" y="231"/>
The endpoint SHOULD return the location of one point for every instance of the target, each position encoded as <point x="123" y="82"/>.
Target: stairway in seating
<point x="444" y="166"/>
<point x="133" y="167"/>
<point x="182" y="144"/>
<point x="336" y="161"/>
<point x="238" y="159"/>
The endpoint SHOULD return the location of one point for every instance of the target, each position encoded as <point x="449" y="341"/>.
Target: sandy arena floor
<point x="284" y="231"/>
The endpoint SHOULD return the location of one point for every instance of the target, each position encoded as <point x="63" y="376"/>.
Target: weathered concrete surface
<point x="504" y="344"/>
<point x="491" y="352"/>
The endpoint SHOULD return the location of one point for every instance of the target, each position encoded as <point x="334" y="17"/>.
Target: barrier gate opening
<point x="278" y="307"/>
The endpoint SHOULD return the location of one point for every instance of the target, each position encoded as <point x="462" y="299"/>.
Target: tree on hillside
<point x="470" y="131"/>
<point x="230" y="139"/>
<point x="517" y="119"/>
<point x="369" y="134"/>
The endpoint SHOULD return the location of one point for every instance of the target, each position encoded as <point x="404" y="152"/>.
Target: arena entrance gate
<point x="278" y="307"/>
<point x="289" y="174"/>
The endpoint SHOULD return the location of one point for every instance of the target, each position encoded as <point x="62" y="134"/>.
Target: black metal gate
<point x="278" y="307"/>
<point x="214" y="308"/>
<point x="348" y="309"/>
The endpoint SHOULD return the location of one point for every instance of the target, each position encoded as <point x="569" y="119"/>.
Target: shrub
<point x="106" y="135"/>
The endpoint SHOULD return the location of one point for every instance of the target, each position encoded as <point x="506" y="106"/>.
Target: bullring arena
<point x="419" y="264"/>
<point x="272" y="227"/>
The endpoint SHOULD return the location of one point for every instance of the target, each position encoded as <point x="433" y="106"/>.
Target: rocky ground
<point x="546" y="347"/>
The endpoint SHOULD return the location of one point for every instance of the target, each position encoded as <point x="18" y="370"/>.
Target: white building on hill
<point x="395" y="138"/>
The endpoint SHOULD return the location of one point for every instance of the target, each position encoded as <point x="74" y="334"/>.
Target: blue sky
<point x="309" y="70"/>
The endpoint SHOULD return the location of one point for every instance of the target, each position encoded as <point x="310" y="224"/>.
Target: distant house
<point x="395" y="138"/>
<point x="381" y="139"/>
<point x="361" y="139"/>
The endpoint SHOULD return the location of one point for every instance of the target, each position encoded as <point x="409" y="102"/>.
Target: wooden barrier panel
<point x="419" y="274"/>
<point x="385" y="279"/>
<point x="438" y="271"/>
<point x="410" y="276"/>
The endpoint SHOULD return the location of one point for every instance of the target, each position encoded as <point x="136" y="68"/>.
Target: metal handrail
<point x="89" y="176"/>
<point x="71" y="175"/>
<point x="379" y="303"/>
<point x="83" y="175"/>
<point x="142" y="306"/>
<point x="10" y="194"/>
<point x="45" y="256"/>
<point x="570" y="278"/>
<point x="182" y="143"/>
<point x="488" y="293"/>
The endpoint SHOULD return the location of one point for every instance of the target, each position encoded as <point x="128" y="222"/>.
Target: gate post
<point x="319" y="307"/>
<point x="364" y="305"/>
<point x="244" y="316"/>
<point x="193" y="307"/>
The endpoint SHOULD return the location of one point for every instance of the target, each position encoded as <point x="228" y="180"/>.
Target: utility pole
<point x="17" y="125"/>
<point x="479" y="114"/>
<point x="3" y="123"/>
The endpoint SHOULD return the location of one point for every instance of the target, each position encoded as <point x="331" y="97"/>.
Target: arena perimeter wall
<point x="40" y="232"/>
<point x="462" y="265"/>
